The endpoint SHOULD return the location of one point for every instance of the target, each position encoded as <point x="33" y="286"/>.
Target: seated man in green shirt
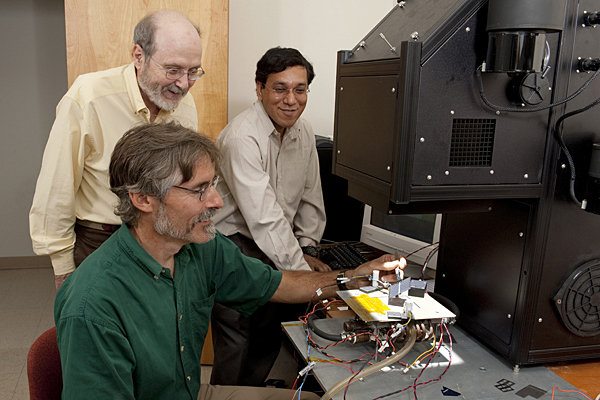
<point x="132" y="319"/>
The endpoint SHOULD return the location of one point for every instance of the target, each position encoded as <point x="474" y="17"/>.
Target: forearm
<point x="302" y="286"/>
<point x="52" y="214"/>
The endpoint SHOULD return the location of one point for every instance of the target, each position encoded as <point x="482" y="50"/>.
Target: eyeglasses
<point x="176" y="73"/>
<point x="204" y="191"/>
<point x="284" y="92"/>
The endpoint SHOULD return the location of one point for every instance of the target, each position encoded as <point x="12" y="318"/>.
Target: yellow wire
<point x="424" y="353"/>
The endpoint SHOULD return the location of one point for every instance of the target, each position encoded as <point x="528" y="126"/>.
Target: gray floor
<point x="26" y="311"/>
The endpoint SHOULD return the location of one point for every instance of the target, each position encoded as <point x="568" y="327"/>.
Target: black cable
<point x="558" y="126"/>
<point x="559" y="137"/>
<point x="535" y="109"/>
<point x="427" y="259"/>
<point x="358" y="372"/>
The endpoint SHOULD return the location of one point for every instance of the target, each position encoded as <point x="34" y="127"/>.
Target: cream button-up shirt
<point x="271" y="188"/>
<point x="73" y="182"/>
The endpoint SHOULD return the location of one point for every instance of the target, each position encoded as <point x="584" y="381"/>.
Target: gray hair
<point x="151" y="158"/>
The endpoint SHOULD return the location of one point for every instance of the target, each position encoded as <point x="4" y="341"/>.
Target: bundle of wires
<point x="396" y="356"/>
<point x="410" y="341"/>
<point x="427" y="354"/>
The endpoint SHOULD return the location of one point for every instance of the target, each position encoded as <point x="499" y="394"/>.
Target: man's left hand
<point x="316" y="264"/>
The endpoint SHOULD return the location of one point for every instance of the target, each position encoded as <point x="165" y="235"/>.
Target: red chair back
<point x="43" y="368"/>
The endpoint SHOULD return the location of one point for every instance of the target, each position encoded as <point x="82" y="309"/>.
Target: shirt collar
<point x="130" y="245"/>
<point x="267" y="124"/>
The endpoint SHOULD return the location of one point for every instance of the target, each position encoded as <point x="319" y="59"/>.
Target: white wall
<point x="33" y="77"/>
<point x="317" y="28"/>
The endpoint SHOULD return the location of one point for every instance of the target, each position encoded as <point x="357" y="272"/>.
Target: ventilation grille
<point x="578" y="300"/>
<point x="472" y="142"/>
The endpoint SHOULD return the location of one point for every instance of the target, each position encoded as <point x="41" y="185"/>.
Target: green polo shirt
<point x="128" y="330"/>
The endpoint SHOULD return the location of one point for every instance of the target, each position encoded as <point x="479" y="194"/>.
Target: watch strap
<point x="341" y="280"/>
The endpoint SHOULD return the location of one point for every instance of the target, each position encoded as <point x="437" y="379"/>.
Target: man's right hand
<point x="59" y="279"/>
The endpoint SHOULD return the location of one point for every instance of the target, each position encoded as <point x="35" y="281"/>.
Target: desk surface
<point x="475" y="372"/>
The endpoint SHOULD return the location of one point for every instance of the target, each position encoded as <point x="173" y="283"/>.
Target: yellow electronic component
<point x="364" y="305"/>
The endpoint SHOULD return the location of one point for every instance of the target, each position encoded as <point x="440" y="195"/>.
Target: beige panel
<point x="99" y="34"/>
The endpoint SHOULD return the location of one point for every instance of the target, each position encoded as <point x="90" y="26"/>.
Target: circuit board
<point x="374" y="306"/>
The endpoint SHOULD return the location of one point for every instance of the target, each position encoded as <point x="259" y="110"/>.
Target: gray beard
<point x="163" y="225"/>
<point x="154" y="93"/>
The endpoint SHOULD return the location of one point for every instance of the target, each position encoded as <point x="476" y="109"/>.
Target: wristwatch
<point x="311" y="251"/>
<point x="341" y="280"/>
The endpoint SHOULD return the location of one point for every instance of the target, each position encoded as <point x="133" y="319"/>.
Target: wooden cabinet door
<point x="99" y="36"/>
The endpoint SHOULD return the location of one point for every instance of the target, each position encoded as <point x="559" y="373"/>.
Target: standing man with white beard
<point x="72" y="211"/>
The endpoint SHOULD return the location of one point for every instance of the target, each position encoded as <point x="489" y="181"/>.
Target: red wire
<point x="570" y="391"/>
<point x="294" y="385"/>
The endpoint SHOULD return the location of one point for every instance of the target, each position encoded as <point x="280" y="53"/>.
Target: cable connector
<point x="306" y="369"/>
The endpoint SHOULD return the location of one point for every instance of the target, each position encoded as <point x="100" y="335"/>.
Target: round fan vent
<point x="578" y="300"/>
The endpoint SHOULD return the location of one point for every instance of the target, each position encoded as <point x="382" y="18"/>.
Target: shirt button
<point x="155" y="277"/>
<point x="189" y="378"/>
<point x="180" y="316"/>
<point x="182" y="348"/>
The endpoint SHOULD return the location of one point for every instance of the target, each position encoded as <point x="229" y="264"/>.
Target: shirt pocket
<point x="292" y="181"/>
<point x="200" y="312"/>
